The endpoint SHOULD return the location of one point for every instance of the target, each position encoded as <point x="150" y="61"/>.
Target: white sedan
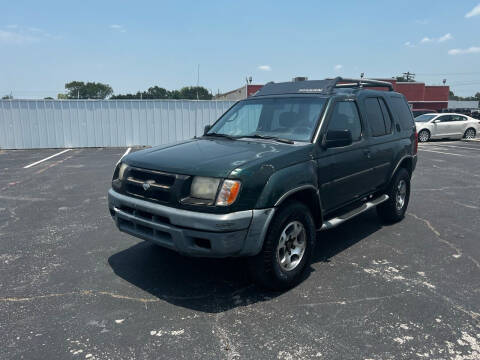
<point x="446" y="125"/>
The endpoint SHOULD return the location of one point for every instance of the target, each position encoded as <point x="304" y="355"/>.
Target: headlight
<point x="118" y="175"/>
<point x="204" y="187"/>
<point x="228" y="193"/>
<point x="121" y="171"/>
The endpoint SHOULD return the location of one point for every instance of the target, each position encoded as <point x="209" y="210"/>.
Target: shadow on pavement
<point x="217" y="285"/>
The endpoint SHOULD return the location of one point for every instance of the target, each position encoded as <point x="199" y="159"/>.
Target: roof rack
<point x="326" y="86"/>
<point x="361" y="83"/>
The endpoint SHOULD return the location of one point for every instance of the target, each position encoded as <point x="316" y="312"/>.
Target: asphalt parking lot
<point x="72" y="286"/>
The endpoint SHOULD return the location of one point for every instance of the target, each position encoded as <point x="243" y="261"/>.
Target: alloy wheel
<point x="291" y="246"/>
<point x="401" y="194"/>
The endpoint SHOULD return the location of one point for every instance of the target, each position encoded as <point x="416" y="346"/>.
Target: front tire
<point x="287" y="249"/>
<point x="398" y="191"/>
<point x="469" y="134"/>
<point x="424" y="136"/>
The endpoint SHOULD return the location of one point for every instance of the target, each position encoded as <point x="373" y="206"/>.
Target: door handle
<point x="367" y="153"/>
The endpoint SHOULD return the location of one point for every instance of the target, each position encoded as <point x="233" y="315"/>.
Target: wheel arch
<point x="406" y="163"/>
<point x="308" y="195"/>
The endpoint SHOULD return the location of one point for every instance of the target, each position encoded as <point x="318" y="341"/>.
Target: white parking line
<point x="457" y="147"/>
<point x="443" y="152"/>
<point x="47" y="158"/>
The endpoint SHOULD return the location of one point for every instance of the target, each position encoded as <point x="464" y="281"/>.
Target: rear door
<point x="344" y="172"/>
<point x="381" y="128"/>
<point x="459" y="124"/>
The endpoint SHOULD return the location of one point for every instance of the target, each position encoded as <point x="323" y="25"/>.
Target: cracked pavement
<point x="72" y="286"/>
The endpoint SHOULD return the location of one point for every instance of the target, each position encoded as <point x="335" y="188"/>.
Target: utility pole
<point x="409" y="76"/>
<point x="198" y="79"/>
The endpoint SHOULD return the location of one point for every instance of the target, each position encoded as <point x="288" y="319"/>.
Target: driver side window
<point x="345" y="117"/>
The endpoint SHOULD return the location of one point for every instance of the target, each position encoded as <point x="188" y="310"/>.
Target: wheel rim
<point x="291" y="246"/>
<point x="401" y="194"/>
<point x="470" y="134"/>
<point x="423" y="136"/>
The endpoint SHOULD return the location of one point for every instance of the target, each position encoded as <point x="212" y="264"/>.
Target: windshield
<point x="424" y="118"/>
<point x="285" y="118"/>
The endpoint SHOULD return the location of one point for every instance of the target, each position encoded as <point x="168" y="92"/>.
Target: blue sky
<point x="135" y="45"/>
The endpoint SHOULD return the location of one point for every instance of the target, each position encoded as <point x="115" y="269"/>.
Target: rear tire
<point x="398" y="191"/>
<point x="424" y="136"/>
<point x="469" y="134"/>
<point x="287" y="248"/>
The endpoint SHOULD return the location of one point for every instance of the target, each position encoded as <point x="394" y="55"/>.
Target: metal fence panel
<point x="31" y="124"/>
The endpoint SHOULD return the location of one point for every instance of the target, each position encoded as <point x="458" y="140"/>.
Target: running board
<point x="352" y="213"/>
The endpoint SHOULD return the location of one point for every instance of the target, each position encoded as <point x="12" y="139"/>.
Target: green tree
<point x="156" y="92"/>
<point x="477" y="96"/>
<point x="62" y="96"/>
<point x="195" y="92"/>
<point x="7" y="97"/>
<point x="89" y="90"/>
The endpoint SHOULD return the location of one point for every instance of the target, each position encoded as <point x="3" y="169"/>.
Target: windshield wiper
<point x="221" y="135"/>
<point x="268" y="137"/>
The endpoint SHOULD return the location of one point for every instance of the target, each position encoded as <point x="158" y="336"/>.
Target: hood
<point x="208" y="157"/>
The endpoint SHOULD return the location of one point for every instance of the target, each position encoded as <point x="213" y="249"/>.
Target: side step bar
<point x="352" y="213"/>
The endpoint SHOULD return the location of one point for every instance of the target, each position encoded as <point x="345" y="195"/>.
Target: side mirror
<point x="206" y="129"/>
<point x="435" y="121"/>
<point x="337" y="138"/>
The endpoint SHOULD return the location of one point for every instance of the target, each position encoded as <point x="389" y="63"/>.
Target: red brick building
<point x="419" y="95"/>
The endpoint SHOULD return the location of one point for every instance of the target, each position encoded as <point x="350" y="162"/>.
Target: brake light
<point x="415" y="148"/>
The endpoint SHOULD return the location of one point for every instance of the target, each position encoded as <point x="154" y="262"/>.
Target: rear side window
<point x="402" y="110"/>
<point x="378" y="117"/>
<point x="386" y="116"/>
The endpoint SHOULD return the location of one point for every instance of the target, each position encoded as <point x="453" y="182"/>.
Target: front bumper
<point x="189" y="232"/>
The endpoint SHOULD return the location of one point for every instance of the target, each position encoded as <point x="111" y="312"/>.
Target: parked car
<point x="446" y="125"/>
<point x="295" y="158"/>
<point x="418" y="112"/>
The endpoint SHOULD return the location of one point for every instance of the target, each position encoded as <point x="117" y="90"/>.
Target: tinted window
<point x="424" y="118"/>
<point x="458" y="118"/>
<point x="401" y="109"/>
<point x="345" y="117"/>
<point x="444" y="118"/>
<point x="386" y="116"/>
<point x="375" y="117"/>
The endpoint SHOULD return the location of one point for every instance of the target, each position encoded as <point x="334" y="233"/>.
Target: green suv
<point x="294" y="159"/>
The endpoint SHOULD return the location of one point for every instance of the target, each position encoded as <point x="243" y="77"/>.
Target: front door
<point x="344" y="172"/>
<point x="443" y="126"/>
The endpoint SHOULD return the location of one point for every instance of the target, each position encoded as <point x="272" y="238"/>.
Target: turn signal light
<point x="228" y="193"/>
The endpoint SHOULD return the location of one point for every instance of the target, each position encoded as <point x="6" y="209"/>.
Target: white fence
<point x="30" y="124"/>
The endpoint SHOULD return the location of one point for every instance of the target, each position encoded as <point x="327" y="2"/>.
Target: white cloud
<point x="445" y="37"/>
<point x="265" y="68"/>
<point x="16" y="34"/>
<point x="118" y="28"/>
<point x="408" y="44"/>
<point x="440" y="39"/>
<point x="470" y="50"/>
<point x="338" y="67"/>
<point x="10" y="37"/>
<point x="474" y="12"/>
<point x="422" y="21"/>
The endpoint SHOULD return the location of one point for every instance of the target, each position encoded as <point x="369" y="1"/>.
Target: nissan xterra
<point x="293" y="159"/>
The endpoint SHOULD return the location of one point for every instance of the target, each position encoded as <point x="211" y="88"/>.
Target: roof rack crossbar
<point x="340" y="82"/>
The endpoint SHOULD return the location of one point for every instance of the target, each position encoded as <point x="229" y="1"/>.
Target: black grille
<point x="150" y="185"/>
